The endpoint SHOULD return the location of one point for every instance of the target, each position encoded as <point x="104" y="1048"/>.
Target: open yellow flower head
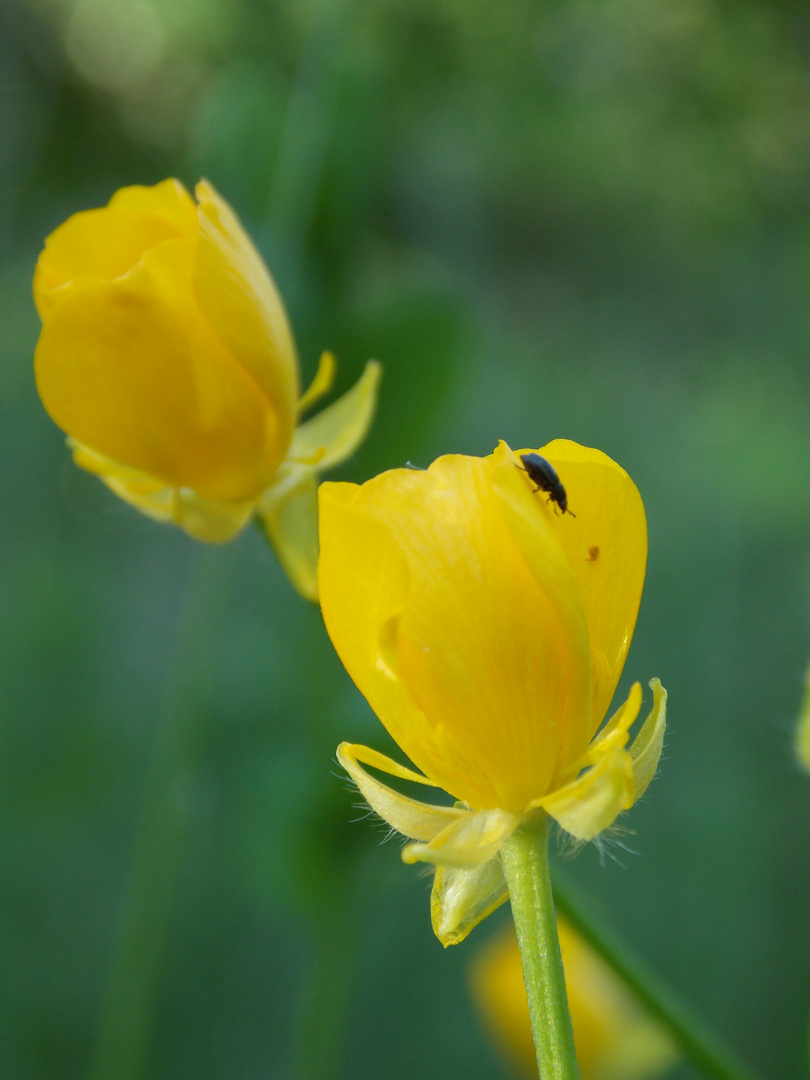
<point x="613" y="1036"/>
<point x="488" y="632"/>
<point x="166" y="356"/>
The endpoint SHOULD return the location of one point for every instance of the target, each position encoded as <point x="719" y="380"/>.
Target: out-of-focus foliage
<point x="588" y="220"/>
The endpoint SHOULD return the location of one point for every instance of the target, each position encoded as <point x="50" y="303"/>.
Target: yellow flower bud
<point x="167" y="357"/>
<point x="488" y="632"/>
<point x="613" y="1036"/>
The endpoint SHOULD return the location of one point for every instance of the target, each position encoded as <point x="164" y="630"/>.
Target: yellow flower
<point x="613" y="1036"/>
<point x="167" y="358"/>
<point x="488" y="632"/>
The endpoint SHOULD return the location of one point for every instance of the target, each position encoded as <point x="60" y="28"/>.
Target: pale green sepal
<point x="338" y="429"/>
<point x="472" y="839"/>
<point x="288" y="508"/>
<point x="646" y="748"/>
<point x="595" y="799"/>
<point x="203" y="519"/>
<point x="416" y="820"/>
<point x="462" y="897"/>
<point x="320" y="385"/>
<point x="288" y="511"/>
<point x="357" y="752"/>
<point x="614" y="733"/>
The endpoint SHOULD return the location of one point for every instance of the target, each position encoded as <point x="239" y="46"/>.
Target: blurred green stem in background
<point x="525" y="866"/>
<point x="302" y="149"/>
<point x="305" y="133"/>
<point x="127" y="1013"/>
<point x="696" y="1039"/>
<point x="325" y="995"/>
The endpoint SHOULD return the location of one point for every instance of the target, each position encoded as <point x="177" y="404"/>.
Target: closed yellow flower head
<point x="614" y="1038"/>
<point x="156" y="307"/>
<point x="167" y="357"/>
<point x="488" y="632"/>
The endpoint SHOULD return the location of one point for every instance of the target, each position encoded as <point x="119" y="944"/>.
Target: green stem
<point x="327" y="986"/>
<point x="306" y="132"/>
<point x="127" y="1013"/>
<point x="525" y="865"/>
<point x="699" y="1043"/>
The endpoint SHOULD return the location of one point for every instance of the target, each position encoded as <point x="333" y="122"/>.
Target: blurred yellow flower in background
<point x="488" y="633"/>
<point x="615" y="1038"/>
<point x="166" y="356"/>
<point x="802" y="738"/>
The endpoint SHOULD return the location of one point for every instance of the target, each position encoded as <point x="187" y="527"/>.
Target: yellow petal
<point x="534" y="531"/>
<point x="593" y="801"/>
<point x="168" y="200"/>
<point x="107" y="242"/>
<point x="606" y="544"/>
<point x="428" y="601"/>
<point x="336" y="432"/>
<point x="321" y="384"/>
<point x="485" y="643"/>
<point x="425" y="593"/>
<point x="240" y="301"/>
<point x="360" y="571"/>
<point x="132" y="370"/>
<point x="417" y="820"/>
<point x="288" y="510"/>
<point x="362" y="585"/>
<point x="473" y="838"/>
<point x="463" y="896"/>
<point x="211" y="522"/>
<point x="646" y="748"/>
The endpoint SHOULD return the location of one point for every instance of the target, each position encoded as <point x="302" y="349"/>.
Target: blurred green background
<point x="587" y="219"/>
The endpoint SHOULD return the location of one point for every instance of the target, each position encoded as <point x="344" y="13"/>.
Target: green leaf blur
<point x="584" y="220"/>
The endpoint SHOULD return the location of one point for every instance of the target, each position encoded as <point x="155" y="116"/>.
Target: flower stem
<point x="525" y="865"/>
<point x="128" y="1011"/>
<point x="306" y="132"/>
<point x="319" y="1050"/>
<point x="699" y="1043"/>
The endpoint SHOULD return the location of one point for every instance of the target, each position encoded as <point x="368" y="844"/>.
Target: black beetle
<point x="544" y="475"/>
